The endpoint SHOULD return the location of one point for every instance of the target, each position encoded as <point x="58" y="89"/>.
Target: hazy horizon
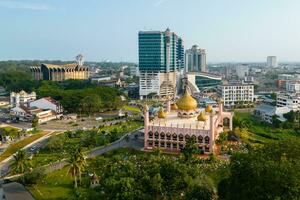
<point x="230" y="31"/>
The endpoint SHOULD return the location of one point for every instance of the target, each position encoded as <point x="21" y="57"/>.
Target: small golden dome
<point x="186" y="102"/>
<point x="161" y="113"/>
<point x="208" y="108"/>
<point x="202" y="117"/>
<point x="174" y="106"/>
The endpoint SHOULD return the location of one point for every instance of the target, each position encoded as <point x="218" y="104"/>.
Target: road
<point x="131" y="141"/>
<point x="39" y="143"/>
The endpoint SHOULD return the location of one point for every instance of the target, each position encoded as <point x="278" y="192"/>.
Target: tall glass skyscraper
<point x="161" y="56"/>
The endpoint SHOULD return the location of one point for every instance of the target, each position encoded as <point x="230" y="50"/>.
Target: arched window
<point x="174" y="136"/>
<point x="150" y="134"/>
<point x="156" y="143"/>
<point x="162" y="135"/>
<point x="206" y="139"/>
<point x="187" y="137"/>
<point x="194" y="137"/>
<point x="162" y="144"/>
<point x="200" y="139"/>
<point x="156" y="134"/>
<point x="180" y="137"/>
<point x="168" y="136"/>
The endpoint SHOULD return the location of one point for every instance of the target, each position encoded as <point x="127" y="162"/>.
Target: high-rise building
<point x="272" y="61"/>
<point x="195" y="59"/>
<point x="160" y="60"/>
<point x="242" y="71"/>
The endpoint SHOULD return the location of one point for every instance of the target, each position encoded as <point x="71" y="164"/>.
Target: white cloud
<point x="12" y="4"/>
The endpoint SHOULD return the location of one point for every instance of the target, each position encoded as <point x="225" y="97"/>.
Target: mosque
<point x="181" y="120"/>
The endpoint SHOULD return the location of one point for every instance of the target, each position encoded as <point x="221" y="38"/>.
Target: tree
<point x="270" y="172"/>
<point x="21" y="162"/>
<point x="55" y="143"/>
<point x="77" y="164"/>
<point x="198" y="192"/>
<point x="91" y="104"/>
<point x="35" y="122"/>
<point x="190" y="148"/>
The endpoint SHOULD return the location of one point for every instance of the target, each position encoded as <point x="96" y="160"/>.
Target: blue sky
<point x="230" y="30"/>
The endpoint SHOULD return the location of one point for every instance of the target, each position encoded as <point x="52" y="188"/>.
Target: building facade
<point x="201" y="82"/>
<point x="160" y="60"/>
<point x="174" y="126"/>
<point x="60" y="72"/>
<point x="242" y="71"/>
<point x="272" y="61"/>
<point x="21" y="98"/>
<point x="47" y="103"/>
<point x="195" y="59"/>
<point x="236" y="93"/>
<point x="289" y="100"/>
<point x="267" y="113"/>
<point x="293" y="86"/>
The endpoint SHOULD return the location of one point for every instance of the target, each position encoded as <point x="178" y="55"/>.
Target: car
<point x="33" y="148"/>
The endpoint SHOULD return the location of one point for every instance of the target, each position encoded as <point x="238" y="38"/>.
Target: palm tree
<point x="21" y="163"/>
<point x="77" y="163"/>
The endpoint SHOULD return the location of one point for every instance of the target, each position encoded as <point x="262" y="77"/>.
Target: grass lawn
<point x="56" y="185"/>
<point x="13" y="148"/>
<point x="262" y="133"/>
<point x="131" y="108"/>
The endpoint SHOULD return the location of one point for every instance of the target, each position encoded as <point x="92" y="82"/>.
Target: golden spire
<point x="202" y="117"/>
<point x="208" y="108"/>
<point x="187" y="102"/>
<point x="161" y="113"/>
<point x="174" y="106"/>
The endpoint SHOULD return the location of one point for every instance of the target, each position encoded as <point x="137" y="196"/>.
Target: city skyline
<point x="230" y="31"/>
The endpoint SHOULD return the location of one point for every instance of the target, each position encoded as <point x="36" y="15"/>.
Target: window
<point x="206" y="140"/>
<point x="174" y="136"/>
<point x="150" y="134"/>
<point x="162" y="135"/>
<point x="200" y="139"/>
<point x="156" y="135"/>
<point x="180" y="137"/>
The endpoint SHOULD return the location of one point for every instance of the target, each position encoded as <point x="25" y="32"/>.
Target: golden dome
<point x="161" y="113"/>
<point x="174" y="106"/>
<point x="186" y="102"/>
<point x="208" y="108"/>
<point x="201" y="117"/>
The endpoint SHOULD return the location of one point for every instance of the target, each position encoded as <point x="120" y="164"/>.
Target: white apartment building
<point x="233" y="94"/>
<point x="293" y="86"/>
<point x="291" y="101"/>
<point x="21" y="98"/>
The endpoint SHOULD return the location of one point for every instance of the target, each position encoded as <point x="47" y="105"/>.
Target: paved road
<point x="31" y="148"/>
<point x="16" y="191"/>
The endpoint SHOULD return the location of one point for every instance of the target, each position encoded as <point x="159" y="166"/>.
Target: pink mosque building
<point x="171" y="128"/>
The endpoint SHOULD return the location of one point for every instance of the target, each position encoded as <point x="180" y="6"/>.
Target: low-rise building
<point x="293" y="86"/>
<point x="23" y="113"/>
<point x="267" y="112"/>
<point x="236" y="93"/>
<point x="47" y="103"/>
<point x="18" y="98"/>
<point x="290" y="100"/>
